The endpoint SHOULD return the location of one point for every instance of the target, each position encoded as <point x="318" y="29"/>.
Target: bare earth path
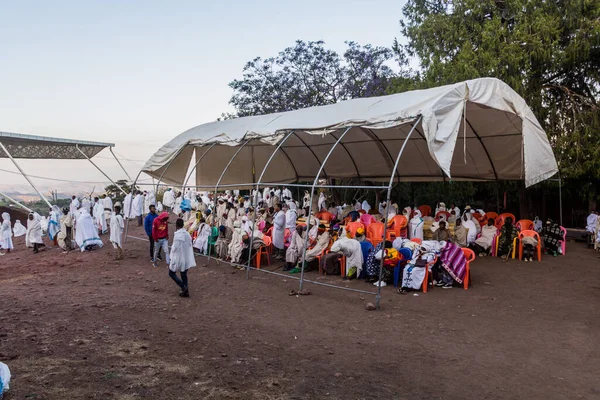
<point x="83" y="326"/>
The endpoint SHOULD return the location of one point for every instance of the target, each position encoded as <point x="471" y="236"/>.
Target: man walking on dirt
<point x="148" y="228"/>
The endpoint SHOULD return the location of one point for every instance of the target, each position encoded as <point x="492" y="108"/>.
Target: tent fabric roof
<point x="502" y="138"/>
<point x="40" y="147"/>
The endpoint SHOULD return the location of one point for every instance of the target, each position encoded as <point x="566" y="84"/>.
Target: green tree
<point x="548" y="51"/>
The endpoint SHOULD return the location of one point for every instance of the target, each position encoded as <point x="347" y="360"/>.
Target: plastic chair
<point x="425" y="210"/>
<point x="524" y="225"/>
<point x="487" y="216"/>
<point x="470" y="256"/>
<point x="538" y="247"/>
<point x="502" y="218"/>
<point x="406" y="255"/>
<point x="563" y="243"/>
<point x="446" y="213"/>
<point x="352" y="227"/>
<point x="375" y="233"/>
<point x="427" y="273"/>
<point x="397" y="227"/>
<point x="325" y="251"/>
<point x="263" y="250"/>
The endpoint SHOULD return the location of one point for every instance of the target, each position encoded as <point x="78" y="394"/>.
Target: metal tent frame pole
<point x="99" y="169"/>
<point x="387" y="206"/>
<point x="312" y="192"/>
<point x="221" y="178"/>
<point x="119" y="162"/>
<point x="560" y="199"/>
<point x="262" y="174"/>
<point x="25" y="175"/>
<point x="16" y="202"/>
<point x="195" y="165"/>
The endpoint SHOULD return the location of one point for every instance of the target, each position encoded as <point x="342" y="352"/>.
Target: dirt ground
<point x="83" y="326"/>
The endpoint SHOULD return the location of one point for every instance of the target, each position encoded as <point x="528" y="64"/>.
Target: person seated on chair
<point x="529" y="247"/>
<point x="365" y="246"/>
<point x="508" y="233"/>
<point x="321" y="245"/>
<point x="452" y="218"/>
<point x="354" y="225"/>
<point x="296" y="248"/>
<point x="441" y="233"/>
<point x="257" y="243"/>
<point x="592" y="221"/>
<point x="552" y="236"/>
<point x="483" y="244"/>
<point x="460" y="234"/>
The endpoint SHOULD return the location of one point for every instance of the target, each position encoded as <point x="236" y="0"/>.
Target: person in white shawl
<point x="149" y="200"/>
<point x="279" y="231"/>
<point x="291" y="215"/>
<point x="322" y="244"/>
<point x="74" y="206"/>
<point x="34" y="232"/>
<point x="366" y="206"/>
<point x="86" y="234"/>
<point x="54" y="222"/>
<point x="19" y="230"/>
<point x="351" y="249"/>
<point x="441" y="207"/>
<point x="470" y="225"/>
<point x="169" y="199"/>
<point x="592" y="220"/>
<point x="127" y="203"/>
<point x="286" y="193"/>
<point x="483" y="243"/>
<point x="85" y="203"/>
<point x="6" y="233"/>
<point x="296" y="248"/>
<point x="116" y="231"/>
<point x="322" y="202"/>
<point x="237" y="245"/>
<point x="246" y="225"/>
<point x="181" y="257"/>
<point x="416" y="226"/>
<point x="201" y="242"/>
<point x="99" y="219"/>
<point x="137" y="207"/>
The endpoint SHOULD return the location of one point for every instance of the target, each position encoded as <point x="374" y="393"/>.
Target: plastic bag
<point x="4" y="378"/>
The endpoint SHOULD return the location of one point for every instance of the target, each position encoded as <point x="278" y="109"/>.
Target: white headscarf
<point x="366" y="206"/>
<point x="19" y="229"/>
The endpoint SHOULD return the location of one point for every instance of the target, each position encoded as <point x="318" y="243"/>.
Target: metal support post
<point x="98" y="168"/>
<point x="119" y="162"/>
<point x="25" y="175"/>
<point x="387" y="206"/>
<point x="16" y="202"/>
<point x="312" y="192"/>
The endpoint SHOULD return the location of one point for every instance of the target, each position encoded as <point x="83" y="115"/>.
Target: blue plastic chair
<point x="406" y="256"/>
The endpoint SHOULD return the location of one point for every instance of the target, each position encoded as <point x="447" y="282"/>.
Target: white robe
<point x="182" y="252"/>
<point x="177" y="208"/>
<point x="366" y="206"/>
<point x="290" y="219"/>
<point x="127" y="206"/>
<point x="236" y="246"/>
<point x="322" y="202"/>
<point x="231" y="218"/>
<point x="592" y="220"/>
<point x="73" y="207"/>
<point x="137" y="206"/>
<point x="287" y="193"/>
<point x="116" y="230"/>
<point x="19" y="230"/>
<point x="169" y="199"/>
<point x="86" y="233"/>
<point x="472" y="233"/>
<point x="416" y="226"/>
<point x="201" y="242"/>
<point x="6" y="233"/>
<point x="34" y="232"/>
<point x="99" y="218"/>
<point x="148" y="201"/>
<point x="85" y="203"/>
<point x="107" y="202"/>
<point x="353" y="252"/>
<point x="279" y="230"/>
<point x="296" y="248"/>
<point x="487" y="236"/>
<point x="322" y="244"/>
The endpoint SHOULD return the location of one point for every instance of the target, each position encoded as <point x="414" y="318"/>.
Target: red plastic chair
<point x="470" y="256"/>
<point x="264" y="250"/>
<point x="352" y="227"/>
<point x="524" y="225"/>
<point x="321" y="256"/>
<point x="502" y="218"/>
<point x="427" y="273"/>
<point x="325" y="216"/>
<point x="484" y="219"/>
<point x="375" y="233"/>
<point x="425" y="210"/>
<point x="538" y="247"/>
<point x="446" y="213"/>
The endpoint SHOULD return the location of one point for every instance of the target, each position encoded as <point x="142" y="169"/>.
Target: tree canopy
<point x="308" y="74"/>
<point x="548" y="51"/>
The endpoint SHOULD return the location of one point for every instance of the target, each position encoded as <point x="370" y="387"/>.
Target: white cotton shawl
<point x="182" y="253"/>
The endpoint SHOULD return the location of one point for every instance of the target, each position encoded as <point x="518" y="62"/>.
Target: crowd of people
<point x="335" y="239"/>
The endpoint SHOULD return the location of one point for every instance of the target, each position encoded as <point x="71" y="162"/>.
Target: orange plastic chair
<point x="487" y="216"/>
<point x="321" y="256"/>
<point x="352" y="227"/>
<point x="427" y="273"/>
<point x="425" y="210"/>
<point x="534" y="234"/>
<point x="325" y="216"/>
<point x="502" y="218"/>
<point x="470" y="255"/>
<point x="524" y="225"/>
<point x="264" y="250"/>
<point x="375" y="233"/>
<point x="397" y="227"/>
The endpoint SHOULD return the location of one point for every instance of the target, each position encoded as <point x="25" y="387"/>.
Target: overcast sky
<point x="138" y="73"/>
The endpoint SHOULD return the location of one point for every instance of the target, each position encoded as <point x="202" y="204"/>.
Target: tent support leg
<point x="167" y="167"/>
<point x="16" y="202"/>
<point x="262" y="174"/>
<point x="119" y="162"/>
<point x="221" y="178"/>
<point x="387" y="206"/>
<point x="24" y="174"/>
<point x="130" y="203"/>
<point x="98" y="168"/>
<point x="312" y="192"/>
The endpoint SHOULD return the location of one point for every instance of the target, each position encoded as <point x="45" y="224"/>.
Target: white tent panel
<point x="503" y="140"/>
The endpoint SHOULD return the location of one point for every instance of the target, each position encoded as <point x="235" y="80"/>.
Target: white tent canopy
<point x="502" y="138"/>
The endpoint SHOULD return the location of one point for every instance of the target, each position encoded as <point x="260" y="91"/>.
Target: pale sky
<point x="137" y="73"/>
